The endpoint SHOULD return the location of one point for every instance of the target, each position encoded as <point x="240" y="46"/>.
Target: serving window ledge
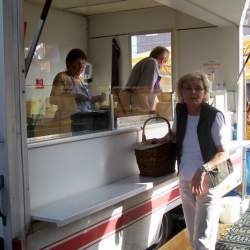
<point x="70" y="209"/>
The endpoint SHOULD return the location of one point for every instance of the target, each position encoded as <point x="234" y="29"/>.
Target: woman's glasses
<point x="195" y="89"/>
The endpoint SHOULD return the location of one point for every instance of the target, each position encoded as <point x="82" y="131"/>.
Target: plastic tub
<point x="231" y="209"/>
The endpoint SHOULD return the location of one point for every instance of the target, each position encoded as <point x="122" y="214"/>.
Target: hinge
<point x="2" y="215"/>
<point x="1" y="243"/>
<point x="1" y="182"/>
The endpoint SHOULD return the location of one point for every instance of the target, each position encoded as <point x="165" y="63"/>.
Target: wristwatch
<point x="205" y="167"/>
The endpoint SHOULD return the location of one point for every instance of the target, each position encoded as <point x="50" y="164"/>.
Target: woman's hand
<point x="80" y="98"/>
<point x="151" y="141"/>
<point x="102" y="97"/>
<point x="200" y="182"/>
<point x="164" y="139"/>
<point x="98" y="98"/>
<point x="173" y="137"/>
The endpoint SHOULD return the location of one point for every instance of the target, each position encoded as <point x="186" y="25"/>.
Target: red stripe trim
<point x="17" y="244"/>
<point x="95" y="233"/>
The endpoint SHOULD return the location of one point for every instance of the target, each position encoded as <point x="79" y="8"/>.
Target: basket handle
<point x="144" y="139"/>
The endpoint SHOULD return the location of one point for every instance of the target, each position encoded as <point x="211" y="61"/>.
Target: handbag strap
<point x="144" y="139"/>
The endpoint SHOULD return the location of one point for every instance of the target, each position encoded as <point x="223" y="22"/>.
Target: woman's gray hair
<point x="158" y="51"/>
<point x="190" y="77"/>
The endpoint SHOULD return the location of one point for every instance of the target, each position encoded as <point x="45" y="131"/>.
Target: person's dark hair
<point x="73" y="55"/>
<point x="158" y="51"/>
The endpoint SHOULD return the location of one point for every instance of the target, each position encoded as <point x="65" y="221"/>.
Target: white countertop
<point x="88" y="202"/>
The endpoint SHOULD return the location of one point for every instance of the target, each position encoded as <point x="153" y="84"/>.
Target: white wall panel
<point x="64" y="169"/>
<point x="151" y="19"/>
<point x="184" y="21"/>
<point x="127" y="23"/>
<point x="100" y="55"/>
<point x="198" y="46"/>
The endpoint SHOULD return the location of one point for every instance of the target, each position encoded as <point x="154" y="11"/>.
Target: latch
<point x="1" y="182"/>
<point x="1" y="189"/>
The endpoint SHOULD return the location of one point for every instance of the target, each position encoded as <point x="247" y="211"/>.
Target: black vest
<point x="204" y="130"/>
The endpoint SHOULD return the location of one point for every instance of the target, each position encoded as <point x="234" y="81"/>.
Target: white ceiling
<point x="91" y="7"/>
<point x="216" y="12"/>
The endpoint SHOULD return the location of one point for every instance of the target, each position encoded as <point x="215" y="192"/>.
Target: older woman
<point x="201" y="142"/>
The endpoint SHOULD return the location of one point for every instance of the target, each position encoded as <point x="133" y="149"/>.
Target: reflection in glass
<point x="130" y="102"/>
<point x="64" y="111"/>
<point x="246" y="51"/>
<point x="70" y="106"/>
<point x="149" y="87"/>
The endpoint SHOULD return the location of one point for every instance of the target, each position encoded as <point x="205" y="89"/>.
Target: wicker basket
<point x="156" y="159"/>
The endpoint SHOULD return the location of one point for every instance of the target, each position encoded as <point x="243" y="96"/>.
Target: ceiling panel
<point x="114" y="7"/>
<point x="227" y="9"/>
<point x="67" y="4"/>
<point x="90" y="7"/>
<point x="216" y="12"/>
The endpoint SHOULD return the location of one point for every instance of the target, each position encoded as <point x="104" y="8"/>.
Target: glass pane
<point x="131" y="104"/>
<point x="58" y="111"/>
<point x="142" y="45"/>
<point x="246" y="51"/>
<point x="52" y="116"/>
<point x="148" y="90"/>
<point x="59" y="100"/>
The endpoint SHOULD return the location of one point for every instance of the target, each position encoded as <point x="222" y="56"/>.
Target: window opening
<point x="148" y="90"/>
<point x="142" y="45"/>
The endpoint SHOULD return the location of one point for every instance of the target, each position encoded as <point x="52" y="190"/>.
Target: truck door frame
<point x="13" y="150"/>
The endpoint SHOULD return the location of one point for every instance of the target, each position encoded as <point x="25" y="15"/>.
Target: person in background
<point x="145" y="77"/>
<point x="201" y="145"/>
<point x="69" y="91"/>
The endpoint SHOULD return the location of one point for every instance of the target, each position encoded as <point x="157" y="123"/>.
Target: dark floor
<point x="238" y="237"/>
